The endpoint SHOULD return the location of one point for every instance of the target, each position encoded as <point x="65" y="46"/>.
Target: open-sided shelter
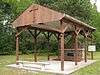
<point x="43" y="19"/>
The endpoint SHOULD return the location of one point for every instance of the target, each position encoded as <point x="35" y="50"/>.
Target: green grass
<point x="93" y="69"/>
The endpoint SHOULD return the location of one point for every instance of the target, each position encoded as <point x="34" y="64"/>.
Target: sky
<point x="97" y="4"/>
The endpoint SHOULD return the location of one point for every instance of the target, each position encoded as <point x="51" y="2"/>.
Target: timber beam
<point x="62" y="51"/>
<point x="75" y="38"/>
<point x="17" y="48"/>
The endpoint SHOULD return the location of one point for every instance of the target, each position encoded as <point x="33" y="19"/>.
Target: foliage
<point x="95" y="22"/>
<point x="6" y="32"/>
<point x="10" y="9"/>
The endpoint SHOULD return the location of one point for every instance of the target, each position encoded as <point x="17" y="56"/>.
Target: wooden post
<point x="48" y="39"/>
<point x="92" y="51"/>
<point x="35" y="46"/>
<point x="17" y="49"/>
<point x="92" y="55"/>
<point x="76" y="47"/>
<point x="85" y="52"/>
<point x="62" y="51"/>
<point x="76" y="33"/>
<point x="58" y="38"/>
<point x="35" y="35"/>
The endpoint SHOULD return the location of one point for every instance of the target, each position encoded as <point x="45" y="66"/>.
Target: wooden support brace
<point x="34" y="35"/>
<point x="77" y="30"/>
<point x="38" y="33"/>
<point x="18" y="33"/>
<point x="76" y="33"/>
<point x="87" y="32"/>
<point x="75" y="36"/>
<point x="31" y="33"/>
<point x="47" y="35"/>
<point x="65" y="28"/>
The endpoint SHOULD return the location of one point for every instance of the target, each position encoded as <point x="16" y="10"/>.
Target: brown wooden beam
<point x="87" y="32"/>
<point x="48" y="40"/>
<point x="23" y="29"/>
<point x="91" y="55"/>
<point x="77" y="30"/>
<point x="31" y="33"/>
<point x="35" y="46"/>
<point x="62" y="51"/>
<point x="17" y="49"/>
<point x="34" y="35"/>
<point x="53" y="30"/>
<point x="48" y="35"/>
<point x="85" y="52"/>
<point x="62" y="46"/>
<point x="58" y="38"/>
<point x="75" y="39"/>
<point x="76" y="47"/>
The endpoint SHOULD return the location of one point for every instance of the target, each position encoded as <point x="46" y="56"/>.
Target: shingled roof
<point x="41" y="17"/>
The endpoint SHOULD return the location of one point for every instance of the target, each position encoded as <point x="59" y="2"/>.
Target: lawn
<point x="93" y="69"/>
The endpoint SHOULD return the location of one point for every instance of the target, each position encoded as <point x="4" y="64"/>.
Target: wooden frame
<point x="33" y="20"/>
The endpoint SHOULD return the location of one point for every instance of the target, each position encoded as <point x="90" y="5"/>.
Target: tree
<point x="10" y="9"/>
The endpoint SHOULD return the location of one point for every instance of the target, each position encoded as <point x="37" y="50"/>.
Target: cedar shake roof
<point x="41" y="17"/>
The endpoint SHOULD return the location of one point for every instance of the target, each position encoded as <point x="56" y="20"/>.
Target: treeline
<point x="10" y="9"/>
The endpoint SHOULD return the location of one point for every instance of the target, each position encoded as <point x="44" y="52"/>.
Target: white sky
<point x="97" y="4"/>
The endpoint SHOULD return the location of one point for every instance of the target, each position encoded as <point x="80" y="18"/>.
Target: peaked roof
<point x="36" y="15"/>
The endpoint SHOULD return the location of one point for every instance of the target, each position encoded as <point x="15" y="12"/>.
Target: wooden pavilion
<point x="42" y="19"/>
